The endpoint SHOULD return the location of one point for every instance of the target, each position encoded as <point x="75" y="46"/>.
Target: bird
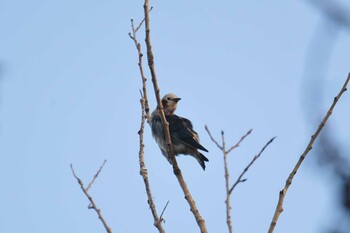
<point x="184" y="139"/>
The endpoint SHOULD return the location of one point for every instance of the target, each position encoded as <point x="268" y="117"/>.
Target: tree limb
<point x="145" y="113"/>
<point x="240" y="180"/>
<point x="143" y="77"/>
<point x="176" y="169"/>
<point x="92" y="202"/>
<point x="283" y="192"/>
<point x="143" y="172"/>
<point x="227" y="175"/>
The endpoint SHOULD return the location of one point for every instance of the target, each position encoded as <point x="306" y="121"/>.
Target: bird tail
<point x="201" y="158"/>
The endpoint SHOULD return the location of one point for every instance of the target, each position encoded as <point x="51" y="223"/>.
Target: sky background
<point x="69" y="93"/>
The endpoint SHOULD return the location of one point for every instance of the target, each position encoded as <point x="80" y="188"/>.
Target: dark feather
<point x="181" y="130"/>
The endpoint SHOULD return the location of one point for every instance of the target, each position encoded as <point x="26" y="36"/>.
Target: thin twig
<point x="161" y="215"/>
<point x="239" y="142"/>
<point x="143" y="171"/>
<point x="212" y="138"/>
<point x="176" y="169"/>
<point x="145" y="113"/>
<point x="143" y="77"/>
<point x="283" y="192"/>
<point x="227" y="184"/>
<point x="92" y="204"/>
<point x="240" y="180"/>
<point x="143" y="20"/>
<point x="95" y="176"/>
<point x="227" y="175"/>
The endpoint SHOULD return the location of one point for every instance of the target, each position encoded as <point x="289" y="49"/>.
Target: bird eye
<point x="168" y="98"/>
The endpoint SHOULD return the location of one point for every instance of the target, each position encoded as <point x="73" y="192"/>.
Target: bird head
<point x="169" y="102"/>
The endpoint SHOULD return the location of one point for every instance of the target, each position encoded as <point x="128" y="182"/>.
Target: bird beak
<point x="176" y="99"/>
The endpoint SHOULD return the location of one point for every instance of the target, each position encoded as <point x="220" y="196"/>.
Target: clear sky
<point x="69" y="93"/>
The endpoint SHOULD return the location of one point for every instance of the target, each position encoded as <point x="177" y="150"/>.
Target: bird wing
<point x="181" y="129"/>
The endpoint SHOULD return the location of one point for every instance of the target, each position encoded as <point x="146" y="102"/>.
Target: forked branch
<point x="142" y="73"/>
<point x="176" y="169"/>
<point x="240" y="179"/>
<point x="145" y="113"/>
<point x="143" y="172"/>
<point x="92" y="204"/>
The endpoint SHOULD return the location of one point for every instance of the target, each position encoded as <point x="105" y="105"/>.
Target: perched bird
<point x="184" y="139"/>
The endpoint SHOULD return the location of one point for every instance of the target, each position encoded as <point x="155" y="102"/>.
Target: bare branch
<point x="227" y="175"/>
<point x="283" y="192"/>
<point x="223" y="142"/>
<point x="211" y="137"/>
<point x="143" y="20"/>
<point x="176" y="169"/>
<point x="161" y="215"/>
<point x="92" y="204"/>
<point x="143" y="171"/>
<point x="227" y="184"/>
<point x="239" y="142"/>
<point x="96" y="175"/>
<point x="145" y="114"/>
<point x="240" y="180"/>
<point x="143" y="77"/>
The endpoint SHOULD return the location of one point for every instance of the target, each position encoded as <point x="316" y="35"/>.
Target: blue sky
<point x="69" y="93"/>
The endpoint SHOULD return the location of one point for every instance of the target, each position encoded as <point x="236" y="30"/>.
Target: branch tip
<point x="92" y="204"/>
<point x="283" y="192"/>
